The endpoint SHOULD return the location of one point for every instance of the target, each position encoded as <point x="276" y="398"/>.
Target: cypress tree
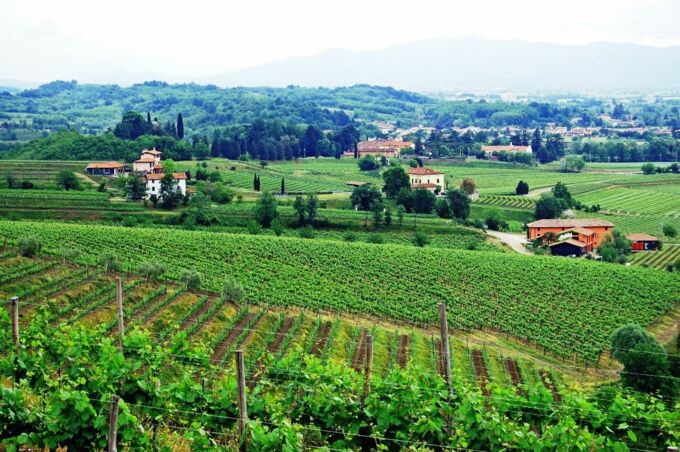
<point x="283" y="186"/>
<point x="356" y="151"/>
<point x="255" y="182"/>
<point x="180" y="126"/>
<point x="148" y="118"/>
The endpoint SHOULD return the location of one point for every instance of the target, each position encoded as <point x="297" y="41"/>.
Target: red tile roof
<point x="105" y="165"/>
<point x="581" y="230"/>
<point x="423" y="171"/>
<point x="510" y="148"/>
<point x="383" y="143"/>
<point x="570" y="242"/>
<point x="583" y="223"/>
<point x="151" y="151"/>
<point x="641" y="237"/>
<point x="159" y="176"/>
<point x="145" y="161"/>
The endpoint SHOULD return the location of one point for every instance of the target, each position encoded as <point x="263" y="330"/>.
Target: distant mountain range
<point x="477" y="64"/>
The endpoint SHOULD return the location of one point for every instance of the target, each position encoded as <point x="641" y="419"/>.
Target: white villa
<point x="427" y="178"/>
<point x="149" y="165"/>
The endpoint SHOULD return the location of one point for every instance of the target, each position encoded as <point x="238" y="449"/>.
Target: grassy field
<point x="565" y="306"/>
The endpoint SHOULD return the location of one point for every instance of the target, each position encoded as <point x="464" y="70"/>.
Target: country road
<point x="514" y="241"/>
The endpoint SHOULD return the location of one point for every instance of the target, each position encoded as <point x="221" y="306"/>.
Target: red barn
<point x="643" y="242"/>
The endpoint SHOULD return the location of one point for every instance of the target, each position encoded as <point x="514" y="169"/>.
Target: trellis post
<point x="242" y="408"/>
<point x="15" y="325"/>
<point x="446" y="352"/>
<point x="113" y="424"/>
<point x="119" y="303"/>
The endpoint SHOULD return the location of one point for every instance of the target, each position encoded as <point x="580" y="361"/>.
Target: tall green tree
<point x="395" y="179"/>
<point x="364" y="196"/>
<point x="180" y="126"/>
<point x="135" y="188"/>
<point x="645" y="362"/>
<point x="312" y="206"/>
<point x="300" y="209"/>
<point x="459" y="204"/>
<point x="549" y="207"/>
<point x="68" y="180"/>
<point x="169" y="193"/>
<point x="266" y="209"/>
<point x="283" y="186"/>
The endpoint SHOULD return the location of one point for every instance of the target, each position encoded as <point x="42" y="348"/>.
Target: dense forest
<point x="66" y="120"/>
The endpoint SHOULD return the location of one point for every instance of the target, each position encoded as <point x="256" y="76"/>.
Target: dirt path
<point x="235" y="332"/>
<point x="515" y="376"/>
<point x="480" y="371"/>
<point x="403" y="350"/>
<point x="272" y="348"/>
<point x="515" y="241"/>
<point x="360" y="351"/>
<point x="321" y="339"/>
<point x="196" y="315"/>
<point x="549" y="383"/>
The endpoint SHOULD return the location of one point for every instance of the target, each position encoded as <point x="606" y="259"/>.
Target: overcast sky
<point x="119" y="40"/>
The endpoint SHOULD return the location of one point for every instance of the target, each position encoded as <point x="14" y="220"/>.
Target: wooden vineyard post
<point x="242" y="408"/>
<point x="119" y="303"/>
<point x="368" y="368"/>
<point x="113" y="424"/>
<point x="15" y="326"/>
<point x="445" y="349"/>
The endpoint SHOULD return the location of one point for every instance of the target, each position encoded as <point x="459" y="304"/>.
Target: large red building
<point x="588" y="231"/>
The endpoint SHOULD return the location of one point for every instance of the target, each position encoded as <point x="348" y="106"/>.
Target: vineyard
<point x="42" y="173"/>
<point x="568" y="308"/>
<point x="657" y="259"/>
<point x="634" y="201"/>
<point x="54" y="199"/>
<point x="513" y="202"/>
<point x="176" y="379"/>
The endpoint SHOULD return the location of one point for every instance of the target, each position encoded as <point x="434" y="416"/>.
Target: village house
<point x="380" y="148"/>
<point x="153" y="183"/>
<point x="149" y="162"/>
<point x="490" y="149"/>
<point x="112" y="169"/>
<point x="587" y="233"/>
<point x="643" y="242"/>
<point x="427" y="178"/>
<point x="150" y="167"/>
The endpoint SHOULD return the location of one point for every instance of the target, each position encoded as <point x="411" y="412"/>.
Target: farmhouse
<point x="153" y="183"/>
<point x="489" y="150"/>
<point x="379" y="148"/>
<point x="643" y="242"/>
<point x="149" y="165"/>
<point x="149" y="162"/>
<point x="426" y="178"/>
<point x="590" y="232"/>
<point x="105" y="168"/>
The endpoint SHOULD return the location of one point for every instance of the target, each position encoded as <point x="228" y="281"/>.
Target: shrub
<point x="30" y="246"/>
<point x="375" y="238"/>
<point x="150" y="270"/>
<point x="669" y="230"/>
<point x="232" y="290"/>
<point x="349" y="237"/>
<point x="277" y="227"/>
<point x="253" y="227"/>
<point x="420" y="239"/>
<point x="307" y="232"/>
<point x="111" y="263"/>
<point x="191" y="279"/>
